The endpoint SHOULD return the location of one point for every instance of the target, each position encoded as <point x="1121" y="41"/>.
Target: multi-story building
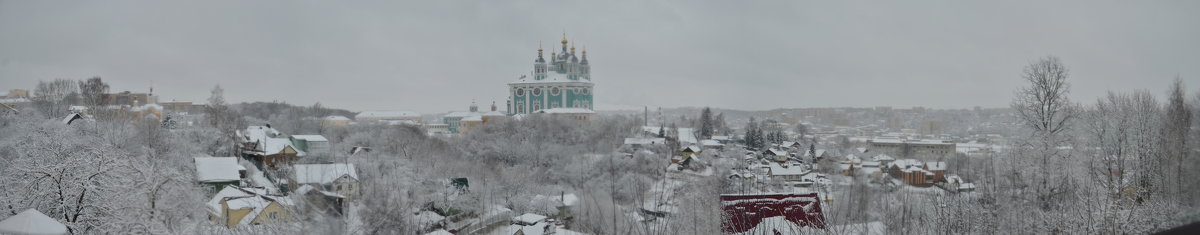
<point x="388" y="116"/>
<point x="129" y="98"/>
<point x="563" y="82"/>
<point x="912" y="148"/>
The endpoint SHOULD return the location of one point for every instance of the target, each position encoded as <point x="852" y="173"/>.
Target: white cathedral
<point x="563" y="85"/>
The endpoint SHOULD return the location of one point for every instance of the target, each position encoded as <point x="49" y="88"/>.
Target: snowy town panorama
<point x="484" y="117"/>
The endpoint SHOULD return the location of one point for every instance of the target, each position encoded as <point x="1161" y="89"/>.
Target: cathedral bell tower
<point x="539" y="65"/>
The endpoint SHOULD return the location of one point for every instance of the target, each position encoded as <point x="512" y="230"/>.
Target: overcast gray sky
<point x="437" y="56"/>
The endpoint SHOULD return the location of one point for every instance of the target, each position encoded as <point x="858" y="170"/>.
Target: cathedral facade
<point x="563" y="82"/>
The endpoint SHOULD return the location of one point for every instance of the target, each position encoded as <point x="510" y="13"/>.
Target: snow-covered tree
<point x="1044" y="109"/>
<point x="706" y="123"/>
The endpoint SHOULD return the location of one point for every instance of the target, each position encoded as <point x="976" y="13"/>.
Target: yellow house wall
<point x="349" y="188"/>
<point x="232" y="217"/>
<point x="282" y="214"/>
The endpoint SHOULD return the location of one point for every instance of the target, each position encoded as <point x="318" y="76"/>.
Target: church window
<point x="537" y="91"/>
<point x="586" y="91"/>
<point x="520" y="92"/>
<point x="554" y="91"/>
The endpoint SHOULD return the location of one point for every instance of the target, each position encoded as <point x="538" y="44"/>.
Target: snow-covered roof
<point x="336" y="118"/>
<point x="905" y="163"/>
<point x="693" y="149"/>
<point x="895" y="140"/>
<point x="241" y="198"/>
<point x="14" y="100"/>
<point x="439" y="232"/>
<point x="771" y="225"/>
<point x="311" y="138"/>
<point x="426" y="219"/>
<point x="402" y="122"/>
<point x="494" y="114"/>
<point x="276" y="145"/>
<point x="387" y="115"/>
<point x="69" y="117"/>
<point x="645" y="141"/>
<point x="565" y="111"/>
<point x="651" y="129"/>
<point x="776" y="152"/>
<point x="936" y="166"/>
<point x="214" y="205"/>
<point x="31" y="221"/>
<point x="915" y="168"/>
<point x="790" y="169"/>
<point x="529" y="218"/>
<point x="259" y="133"/>
<point x="217" y="169"/>
<point x="882" y="158"/>
<point x="853" y="159"/>
<point x="710" y="142"/>
<point x="461" y="114"/>
<point x="475" y="118"/>
<point x="953" y="179"/>
<point x="323" y="173"/>
<point x="258" y="203"/>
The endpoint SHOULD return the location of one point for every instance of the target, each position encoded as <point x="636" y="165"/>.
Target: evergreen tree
<point x="662" y="131"/>
<point x="706" y="123"/>
<point x="754" y="135"/>
<point x="719" y="124"/>
<point x="812" y="151"/>
<point x="673" y="140"/>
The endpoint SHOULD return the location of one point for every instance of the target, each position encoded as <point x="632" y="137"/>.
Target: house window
<point x="272" y="215"/>
<point x="339" y="188"/>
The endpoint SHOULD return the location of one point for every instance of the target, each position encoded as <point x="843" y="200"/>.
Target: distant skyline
<point x="438" y="56"/>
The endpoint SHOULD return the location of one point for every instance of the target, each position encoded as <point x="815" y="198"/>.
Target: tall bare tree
<point x="91" y="92"/>
<point x="223" y="118"/>
<point x="54" y="97"/>
<point x="1043" y="108"/>
<point x="1175" y="126"/>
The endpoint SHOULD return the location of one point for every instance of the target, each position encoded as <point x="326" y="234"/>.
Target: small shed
<point x="219" y="171"/>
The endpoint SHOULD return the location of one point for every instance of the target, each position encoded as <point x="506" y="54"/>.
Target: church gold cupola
<point x="539" y="65"/>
